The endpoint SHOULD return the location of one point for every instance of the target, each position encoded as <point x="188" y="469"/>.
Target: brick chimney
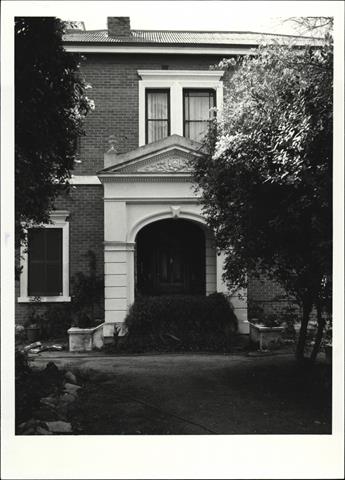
<point x="119" y="27"/>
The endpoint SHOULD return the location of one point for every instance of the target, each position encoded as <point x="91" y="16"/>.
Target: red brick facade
<point x="114" y="80"/>
<point x="115" y="91"/>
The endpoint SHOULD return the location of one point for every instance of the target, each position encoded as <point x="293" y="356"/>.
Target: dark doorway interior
<point x="171" y="258"/>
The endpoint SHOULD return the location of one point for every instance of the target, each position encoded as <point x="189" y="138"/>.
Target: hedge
<point x="180" y="323"/>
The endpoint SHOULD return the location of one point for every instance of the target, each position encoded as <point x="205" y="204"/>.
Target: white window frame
<point x="176" y="81"/>
<point x="59" y="220"/>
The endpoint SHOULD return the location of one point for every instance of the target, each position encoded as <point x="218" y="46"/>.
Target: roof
<point x="184" y="38"/>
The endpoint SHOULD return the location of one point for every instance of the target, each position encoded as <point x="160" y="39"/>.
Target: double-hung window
<point x="157" y="114"/>
<point x="197" y="113"/>
<point x="177" y="102"/>
<point x="45" y="261"/>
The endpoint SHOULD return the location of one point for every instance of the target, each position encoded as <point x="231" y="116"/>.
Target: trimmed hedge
<point x="181" y="323"/>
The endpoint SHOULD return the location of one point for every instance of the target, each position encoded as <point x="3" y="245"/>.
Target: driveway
<point x="197" y="394"/>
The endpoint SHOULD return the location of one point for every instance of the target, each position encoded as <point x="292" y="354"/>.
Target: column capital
<point x="118" y="246"/>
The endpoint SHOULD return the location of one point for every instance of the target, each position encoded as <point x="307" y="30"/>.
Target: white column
<point x="237" y="299"/>
<point x="130" y="273"/>
<point x="176" y="109"/>
<point x="115" y="265"/>
<point x="141" y="113"/>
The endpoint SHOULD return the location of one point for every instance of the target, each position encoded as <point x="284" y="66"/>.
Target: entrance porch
<point x="156" y="240"/>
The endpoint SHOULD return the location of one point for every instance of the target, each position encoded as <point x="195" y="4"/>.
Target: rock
<point x="59" y="427"/>
<point x="32" y="345"/>
<point x="42" y="431"/>
<point x="70" y="377"/>
<point x="67" y="398"/>
<point x="49" y="401"/>
<point x="46" y="413"/>
<point x="36" y="350"/>
<point x="56" y="348"/>
<point x="71" y="388"/>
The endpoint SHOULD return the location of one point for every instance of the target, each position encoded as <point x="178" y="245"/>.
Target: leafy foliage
<point x="88" y="291"/>
<point x="186" y="322"/>
<point x="267" y="182"/>
<point x="50" y="105"/>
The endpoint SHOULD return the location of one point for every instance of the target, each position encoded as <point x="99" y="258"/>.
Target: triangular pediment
<point x="173" y="160"/>
<point x="173" y="155"/>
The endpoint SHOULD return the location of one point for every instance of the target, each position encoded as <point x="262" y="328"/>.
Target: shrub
<point x="88" y="291"/>
<point x="56" y="320"/>
<point x="181" y="322"/>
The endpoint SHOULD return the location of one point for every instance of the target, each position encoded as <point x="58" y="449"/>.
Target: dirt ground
<point x="198" y="394"/>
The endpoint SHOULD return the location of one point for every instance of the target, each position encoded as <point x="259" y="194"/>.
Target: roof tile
<point x="166" y="37"/>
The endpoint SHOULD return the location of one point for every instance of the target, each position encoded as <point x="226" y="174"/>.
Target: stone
<point x="67" y="398"/>
<point x="49" y="401"/>
<point x="42" y="431"/>
<point x="46" y="413"/>
<point x="32" y="345"/>
<point x="70" y="377"/>
<point x="59" y="427"/>
<point x="71" y="388"/>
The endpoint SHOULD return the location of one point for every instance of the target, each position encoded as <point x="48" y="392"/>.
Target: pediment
<point x="171" y="161"/>
<point x="173" y="155"/>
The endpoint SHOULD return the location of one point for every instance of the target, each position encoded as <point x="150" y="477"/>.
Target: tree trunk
<point x="320" y="326"/>
<point x="303" y="332"/>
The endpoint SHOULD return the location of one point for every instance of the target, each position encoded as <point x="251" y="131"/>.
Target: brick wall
<point x="115" y="91"/>
<point x="85" y="204"/>
<point x="269" y="295"/>
<point x="114" y="80"/>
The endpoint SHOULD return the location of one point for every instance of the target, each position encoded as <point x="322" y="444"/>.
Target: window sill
<point x="58" y="298"/>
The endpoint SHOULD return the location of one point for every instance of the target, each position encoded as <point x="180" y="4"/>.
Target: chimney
<point x="119" y="27"/>
<point x="74" y="26"/>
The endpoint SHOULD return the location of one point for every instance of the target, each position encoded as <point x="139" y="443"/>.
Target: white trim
<point x="150" y="200"/>
<point x="55" y="299"/>
<point x="59" y="220"/>
<point x="84" y="180"/>
<point x="180" y="74"/>
<point x="176" y="81"/>
<point x="154" y="177"/>
<point x="131" y="236"/>
<point x="165" y="50"/>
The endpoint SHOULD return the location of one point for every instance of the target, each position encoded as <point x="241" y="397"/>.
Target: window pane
<point x="157" y="105"/>
<point x="54" y="243"/>
<point x="197" y="105"/>
<point x="36" y="278"/>
<point x="157" y="115"/>
<point x="36" y="241"/>
<point x="196" y="130"/>
<point x="54" y="279"/>
<point x="156" y="130"/>
<point x="45" y="262"/>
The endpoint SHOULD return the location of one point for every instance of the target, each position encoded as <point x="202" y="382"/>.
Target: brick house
<point x="132" y="201"/>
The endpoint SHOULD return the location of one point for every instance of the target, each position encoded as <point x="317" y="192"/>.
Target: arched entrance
<point x="170" y="258"/>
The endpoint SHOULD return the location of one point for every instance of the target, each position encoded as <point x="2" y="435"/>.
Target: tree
<point x="50" y="104"/>
<point x="267" y="181"/>
<point x="311" y="26"/>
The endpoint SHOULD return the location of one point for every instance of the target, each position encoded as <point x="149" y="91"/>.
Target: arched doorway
<point x="170" y="258"/>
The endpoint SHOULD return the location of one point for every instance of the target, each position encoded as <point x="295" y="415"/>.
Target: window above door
<point x="177" y="102"/>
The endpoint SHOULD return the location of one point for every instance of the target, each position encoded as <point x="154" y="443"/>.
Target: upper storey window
<point x="177" y="102"/>
<point x="197" y="113"/>
<point x="157" y="114"/>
